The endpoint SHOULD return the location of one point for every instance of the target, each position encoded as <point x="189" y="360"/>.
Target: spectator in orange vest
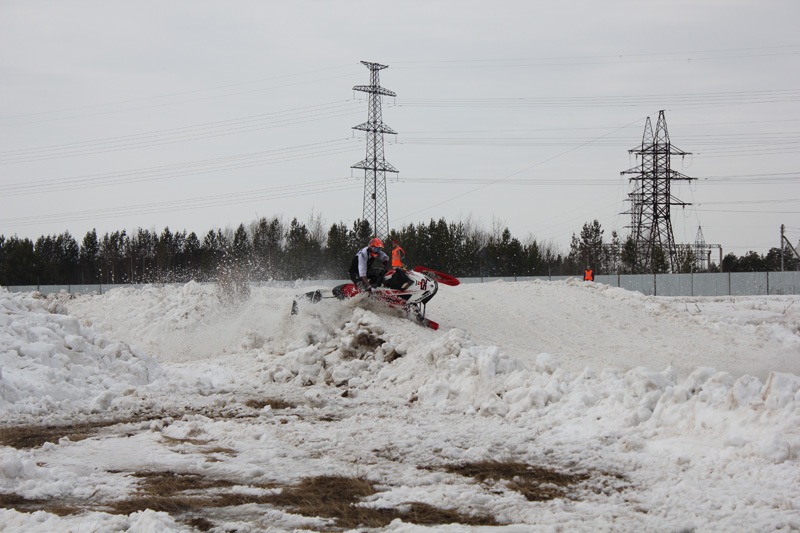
<point x="588" y="274"/>
<point x="398" y="255"/>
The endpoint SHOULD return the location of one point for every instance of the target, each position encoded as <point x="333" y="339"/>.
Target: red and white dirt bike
<point x="407" y="290"/>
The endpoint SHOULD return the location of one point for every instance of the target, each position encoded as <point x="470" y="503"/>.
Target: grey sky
<point x="198" y="115"/>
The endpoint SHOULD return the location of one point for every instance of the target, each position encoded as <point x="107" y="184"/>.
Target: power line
<point x="509" y="176"/>
<point x="99" y="113"/>
<point x="727" y="98"/>
<point x="747" y="202"/>
<point x="742" y="211"/>
<point x="616" y="58"/>
<point x="203" y="202"/>
<point x="176" y="135"/>
<point x="768" y="179"/>
<point x="191" y="168"/>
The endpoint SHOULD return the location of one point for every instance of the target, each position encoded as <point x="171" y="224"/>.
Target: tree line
<point x="271" y="249"/>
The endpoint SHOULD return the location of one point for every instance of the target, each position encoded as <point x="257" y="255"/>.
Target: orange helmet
<point x="376" y="243"/>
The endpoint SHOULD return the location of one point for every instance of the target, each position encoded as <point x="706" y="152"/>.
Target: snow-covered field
<point x="538" y="406"/>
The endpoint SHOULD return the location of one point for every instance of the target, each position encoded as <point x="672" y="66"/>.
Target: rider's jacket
<point x="367" y="263"/>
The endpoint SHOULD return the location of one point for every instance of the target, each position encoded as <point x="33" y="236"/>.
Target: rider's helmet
<point x="376" y="243"/>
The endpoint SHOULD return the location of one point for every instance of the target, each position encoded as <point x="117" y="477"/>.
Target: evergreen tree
<point x="242" y="248"/>
<point x="211" y="253"/>
<point x="534" y="260"/>
<point x="588" y="251"/>
<point x="67" y="255"/>
<point x="2" y="259"/>
<point x="751" y="262"/>
<point x="165" y="255"/>
<point x="360" y="235"/>
<point x="730" y="263"/>
<point x="45" y="269"/>
<point x="303" y="257"/>
<point x="772" y="261"/>
<point x="19" y="259"/>
<point x="192" y="251"/>
<point x="112" y="253"/>
<point x="507" y="251"/>
<point x="267" y="247"/>
<point x="613" y="254"/>
<point x="89" y="258"/>
<point x="659" y="263"/>
<point x="143" y="249"/>
<point x="629" y="256"/>
<point x="338" y="254"/>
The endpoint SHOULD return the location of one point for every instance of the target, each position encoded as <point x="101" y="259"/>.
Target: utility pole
<point x="651" y="198"/>
<point x="376" y="205"/>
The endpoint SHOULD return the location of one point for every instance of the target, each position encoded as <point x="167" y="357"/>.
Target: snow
<point x="681" y="413"/>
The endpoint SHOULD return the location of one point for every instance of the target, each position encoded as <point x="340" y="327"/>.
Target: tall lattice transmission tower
<point x="376" y="205"/>
<point x="651" y="199"/>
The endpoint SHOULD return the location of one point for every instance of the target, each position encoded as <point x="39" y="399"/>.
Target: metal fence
<point x="714" y="284"/>
<point x="718" y="284"/>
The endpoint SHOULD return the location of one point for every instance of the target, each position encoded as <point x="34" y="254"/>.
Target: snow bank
<point x="355" y="348"/>
<point x="692" y="438"/>
<point x="140" y="522"/>
<point x="52" y="367"/>
<point x="455" y="373"/>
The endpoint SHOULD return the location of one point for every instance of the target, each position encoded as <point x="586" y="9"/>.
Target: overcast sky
<point x="205" y="114"/>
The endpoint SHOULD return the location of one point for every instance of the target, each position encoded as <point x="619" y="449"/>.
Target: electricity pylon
<point x="376" y="205"/>
<point x="651" y="198"/>
<point x="702" y="251"/>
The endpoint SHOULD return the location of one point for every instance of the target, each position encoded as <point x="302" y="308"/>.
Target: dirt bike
<point x="398" y="288"/>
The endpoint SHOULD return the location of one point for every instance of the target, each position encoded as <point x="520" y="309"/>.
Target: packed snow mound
<point x="52" y="366"/>
<point x="359" y="347"/>
<point x="454" y="372"/>
<point x="597" y="326"/>
<point x="651" y="397"/>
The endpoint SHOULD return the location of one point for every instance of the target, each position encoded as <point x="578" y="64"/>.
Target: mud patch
<point x="274" y="403"/>
<point x="536" y="483"/>
<point x="33" y="436"/>
<point x="360" y="346"/>
<point x="25" y="505"/>
<point x="191" y="499"/>
<point x="337" y="498"/>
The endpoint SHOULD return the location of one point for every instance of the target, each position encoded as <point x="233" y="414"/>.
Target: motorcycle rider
<point x="369" y="265"/>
